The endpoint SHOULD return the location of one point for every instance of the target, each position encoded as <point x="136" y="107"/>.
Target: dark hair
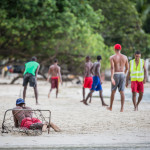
<point x="55" y="60"/>
<point x="137" y="52"/>
<point x="33" y="58"/>
<point x="99" y="57"/>
<point x="87" y="57"/>
<point x="21" y="104"/>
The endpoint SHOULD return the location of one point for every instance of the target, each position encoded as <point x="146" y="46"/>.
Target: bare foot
<point x="84" y="102"/>
<point x="104" y="104"/>
<point x="121" y="110"/>
<point x="44" y="128"/>
<point x="136" y="108"/>
<point x="109" y="108"/>
<point x="48" y="95"/>
<point x="37" y="104"/>
<point x="90" y="101"/>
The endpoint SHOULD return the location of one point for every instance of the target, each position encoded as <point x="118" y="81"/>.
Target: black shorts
<point x="29" y="78"/>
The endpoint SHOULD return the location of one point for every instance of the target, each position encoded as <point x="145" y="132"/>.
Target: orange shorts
<point x="88" y="82"/>
<point x="137" y="86"/>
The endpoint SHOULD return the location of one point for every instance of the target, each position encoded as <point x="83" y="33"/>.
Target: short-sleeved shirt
<point x="30" y="67"/>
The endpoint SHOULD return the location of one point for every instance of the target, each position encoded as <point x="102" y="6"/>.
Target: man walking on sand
<point x="96" y="85"/>
<point x="137" y="73"/>
<point x="30" y="75"/>
<point x="88" y="80"/>
<point x="119" y="67"/>
<point x="54" y="71"/>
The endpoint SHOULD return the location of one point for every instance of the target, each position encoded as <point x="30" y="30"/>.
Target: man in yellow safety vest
<point x="137" y="74"/>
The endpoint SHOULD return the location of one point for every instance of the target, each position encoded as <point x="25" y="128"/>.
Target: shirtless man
<point x="24" y="119"/>
<point x="119" y="67"/>
<point x="88" y="80"/>
<point x="54" y="71"/>
<point x="96" y="85"/>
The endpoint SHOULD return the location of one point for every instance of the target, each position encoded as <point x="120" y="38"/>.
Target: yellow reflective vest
<point x="137" y="73"/>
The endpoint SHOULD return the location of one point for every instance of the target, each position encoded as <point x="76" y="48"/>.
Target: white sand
<point x="81" y="125"/>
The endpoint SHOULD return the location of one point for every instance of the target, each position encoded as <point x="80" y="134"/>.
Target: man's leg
<point x="139" y="100"/>
<point x="56" y="128"/>
<point x="56" y="92"/>
<point x="122" y="100"/>
<point x="134" y="99"/>
<point x="49" y="92"/>
<point x="35" y="126"/>
<point x="89" y="95"/>
<point x="90" y="98"/>
<point x="24" y="92"/>
<point x="83" y="93"/>
<point x="39" y="126"/>
<point x="101" y="97"/>
<point x="36" y="94"/>
<point x="111" y="100"/>
<point x="57" y="86"/>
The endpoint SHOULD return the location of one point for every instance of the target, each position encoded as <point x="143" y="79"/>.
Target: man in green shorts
<point x="30" y="75"/>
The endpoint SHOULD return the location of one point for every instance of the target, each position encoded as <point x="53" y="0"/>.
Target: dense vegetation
<point x="72" y="29"/>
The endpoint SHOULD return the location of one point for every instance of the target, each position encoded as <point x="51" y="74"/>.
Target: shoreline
<point x="56" y="142"/>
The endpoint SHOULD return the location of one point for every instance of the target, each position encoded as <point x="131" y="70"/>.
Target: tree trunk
<point x="16" y="78"/>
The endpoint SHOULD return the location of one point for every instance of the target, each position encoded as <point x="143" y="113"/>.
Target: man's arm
<point x="126" y="66"/>
<point x="15" y="121"/>
<point x="145" y="73"/>
<point x="59" y="74"/>
<point x="128" y="76"/>
<point x="112" y="70"/>
<point x="86" y="69"/>
<point x="91" y="70"/>
<point x="37" y="70"/>
<point x="98" y="70"/>
<point x="84" y="73"/>
<point x="49" y="72"/>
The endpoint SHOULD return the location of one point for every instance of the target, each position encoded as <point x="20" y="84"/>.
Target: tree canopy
<point x="72" y="29"/>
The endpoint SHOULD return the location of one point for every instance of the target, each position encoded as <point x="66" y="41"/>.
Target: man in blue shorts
<point x="96" y="86"/>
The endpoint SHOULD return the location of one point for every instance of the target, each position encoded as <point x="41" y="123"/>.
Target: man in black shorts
<point x="30" y="75"/>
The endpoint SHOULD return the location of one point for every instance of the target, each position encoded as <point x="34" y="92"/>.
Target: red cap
<point x="117" y="46"/>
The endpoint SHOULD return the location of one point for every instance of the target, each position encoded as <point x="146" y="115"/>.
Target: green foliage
<point x="123" y="25"/>
<point x="50" y="28"/>
<point x="72" y="29"/>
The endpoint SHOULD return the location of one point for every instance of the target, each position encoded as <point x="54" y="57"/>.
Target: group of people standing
<point x="119" y="67"/>
<point x="92" y="79"/>
<point x="30" y="76"/>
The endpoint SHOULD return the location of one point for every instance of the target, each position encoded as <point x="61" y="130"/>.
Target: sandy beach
<point x="82" y="126"/>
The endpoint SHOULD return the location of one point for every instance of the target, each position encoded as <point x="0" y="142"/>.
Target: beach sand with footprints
<point x="81" y="126"/>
